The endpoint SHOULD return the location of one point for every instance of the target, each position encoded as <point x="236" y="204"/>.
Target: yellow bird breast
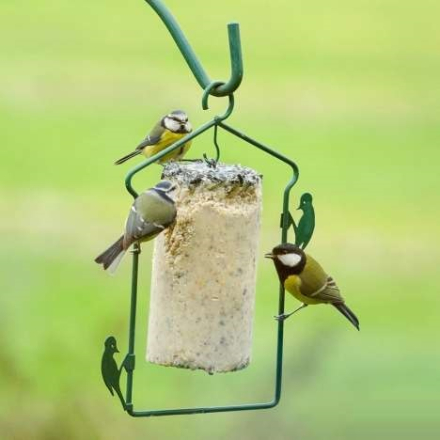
<point x="293" y="285"/>
<point x="168" y="138"/>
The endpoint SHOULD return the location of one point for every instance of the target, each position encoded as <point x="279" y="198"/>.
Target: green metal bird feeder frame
<point x="218" y="89"/>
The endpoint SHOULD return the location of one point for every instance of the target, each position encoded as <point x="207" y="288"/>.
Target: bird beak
<point x="269" y="255"/>
<point x="116" y="350"/>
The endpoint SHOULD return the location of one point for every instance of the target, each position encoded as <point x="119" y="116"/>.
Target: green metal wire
<point x="217" y="148"/>
<point x="213" y="162"/>
<point x="129" y="361"/>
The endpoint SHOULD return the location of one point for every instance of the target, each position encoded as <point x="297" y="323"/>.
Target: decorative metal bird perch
<point x="306" y="224"/>
<point x="109" y="369"/>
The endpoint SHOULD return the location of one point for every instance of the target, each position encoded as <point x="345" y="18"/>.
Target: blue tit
<point x="306" y="280"/>
<point x="168" y="130"/>
<point x="152" y="212"/>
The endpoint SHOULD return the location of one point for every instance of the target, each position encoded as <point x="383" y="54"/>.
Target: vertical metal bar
<point x="237" y="70"/>
<point x="281" y="300"/>
<point x="132" y="331"/>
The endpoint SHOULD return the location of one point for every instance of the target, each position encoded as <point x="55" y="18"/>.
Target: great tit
<point x="306" y="280"/>
<point x="168" y="130"/>
<point x="151" y="213"/>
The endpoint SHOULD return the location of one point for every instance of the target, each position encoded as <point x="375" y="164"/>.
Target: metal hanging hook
<point x="208" y="91"/>
<point x="223" y="89"/>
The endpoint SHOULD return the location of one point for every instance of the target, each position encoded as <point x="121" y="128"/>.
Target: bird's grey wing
<point x="137" y="228"/>
<point x="152" y="138"/>
<point x="149" y="215"/>
<point x="329" y="292"/>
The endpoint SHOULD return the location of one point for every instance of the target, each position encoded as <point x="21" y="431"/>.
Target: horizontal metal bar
<point x="201" y="410"/>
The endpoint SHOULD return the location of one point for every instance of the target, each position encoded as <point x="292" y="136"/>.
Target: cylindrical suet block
<point x="204" y="270"/>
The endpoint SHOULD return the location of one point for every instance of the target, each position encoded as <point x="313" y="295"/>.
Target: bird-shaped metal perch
<point x="111" y="373"/>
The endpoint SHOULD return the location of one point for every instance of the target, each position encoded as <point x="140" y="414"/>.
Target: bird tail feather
<point x="128" y="156"/>
<point x="347" y="313"/>
<point x="115" y="263"/>
<point x="111" y="257"/>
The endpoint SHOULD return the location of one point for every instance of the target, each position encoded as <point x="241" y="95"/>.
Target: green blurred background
<point x="350" y="90"/>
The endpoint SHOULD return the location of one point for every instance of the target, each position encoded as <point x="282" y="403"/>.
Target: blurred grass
<point x="350" y="90"/>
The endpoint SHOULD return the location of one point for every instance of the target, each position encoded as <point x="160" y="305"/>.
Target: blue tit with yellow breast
<point x="151" y="213"/>
<point x="168" y="130"/>
<point x="306" y="280"/>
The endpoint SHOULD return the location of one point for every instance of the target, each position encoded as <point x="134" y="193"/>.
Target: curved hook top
<point x="191" y="58"/>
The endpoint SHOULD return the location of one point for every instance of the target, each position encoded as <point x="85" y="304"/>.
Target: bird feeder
<point x="204" y="266"/>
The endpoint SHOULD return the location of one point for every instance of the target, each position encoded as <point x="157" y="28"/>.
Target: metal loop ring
<point x="208" y="91"/>
<point x="205" y="98"/>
